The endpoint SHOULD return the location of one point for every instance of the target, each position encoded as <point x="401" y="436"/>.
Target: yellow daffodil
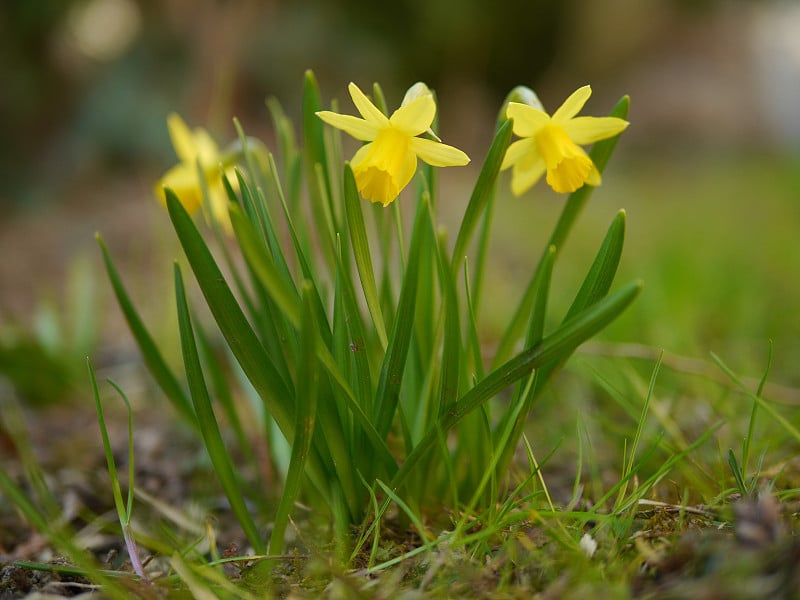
<point x="553" y="144"/>
<point x="193" y="147"/>
<point x="384" y="166"/>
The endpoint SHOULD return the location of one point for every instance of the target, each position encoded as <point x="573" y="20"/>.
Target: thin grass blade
<point x="305" y="416"/>
<point x="207" y="420"/>
<point x="152" y="356"/>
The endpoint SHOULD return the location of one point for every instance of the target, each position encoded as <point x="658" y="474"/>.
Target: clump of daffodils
<point x="307" y="320"/>
<point x="385" y="165"/>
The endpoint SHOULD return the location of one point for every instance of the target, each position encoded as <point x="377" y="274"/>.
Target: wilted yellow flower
<point x="552" y="144"/>
<point x="383" y="167"/>
<point x="193" y="147"/>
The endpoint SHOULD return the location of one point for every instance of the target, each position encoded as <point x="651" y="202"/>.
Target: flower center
<point x="377" y="173"/>
<point x="568" y="167"/>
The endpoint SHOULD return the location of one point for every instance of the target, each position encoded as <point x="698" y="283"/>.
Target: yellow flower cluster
<point x="385" y="164"/>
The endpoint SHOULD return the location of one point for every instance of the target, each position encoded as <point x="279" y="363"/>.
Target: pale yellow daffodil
<point x="552" y="144"/>
<point x="193" y="147"/>
<point x="384" y="166"/>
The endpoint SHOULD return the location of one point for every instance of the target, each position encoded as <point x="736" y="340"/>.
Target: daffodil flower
<point x="384" y="166"/>
<point x="552" y="144"/>
<point x="193" y="147"/>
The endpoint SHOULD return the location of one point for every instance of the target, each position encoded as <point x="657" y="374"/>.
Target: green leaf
<point x="484" y="188"/>
<point x="152" y="356"/>
<point x="451" y="350"/>
<point x="601" y="274"/>
<point x="391" y="377"/>
<point x="308" y="273"/>
<point x="361" y="253"/>
<point x="595" y="286"/>
<point x="525" y="394"/>
<point x="305" y="415"/>
<point x="208" y="421"/>
<point x="242" y="340"/>
<point x="550" y="350"/>
<point x="288" y="305"/>
<point x="357" y="343"/>
<point x="313" y="135"/>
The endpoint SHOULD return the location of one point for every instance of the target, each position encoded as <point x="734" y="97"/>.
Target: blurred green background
<point x="708" y="171"/>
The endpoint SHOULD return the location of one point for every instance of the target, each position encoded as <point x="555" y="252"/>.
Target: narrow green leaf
<point x="63" y="541"/>
<point x="595" y="286"/>
<point x="208" y="421"/>
<point x="357" y="342"/>
<point x="123" y="513"/>
<point x="388" y="392"/>
<point x="451" y="350"/>
<point x="264" y="268"/>
<point x="361" y="253"/>
<point x="305" y="415"/>
<point x="222" y="392"/>
<point x="313" y="134"/>
<point x="551" y="349"/>
<point x="308" y="272"/>
<point x="152" y="356"/>
<point x="484" y="188"/>
<point x="526" y="394"/>
<point x="242" y="340"/>
<point x="601" y="274"/>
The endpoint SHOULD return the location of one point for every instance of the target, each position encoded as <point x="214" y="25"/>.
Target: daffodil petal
<point x="406" y="173"/>
<point x="360" y="154"/>
<point x="368" y="110"/>
<point x="587" y="130"/>
<point x="524" y="177"/>
<point x="219" y="207"/>
<point x="182" y="139"/>
<point x="359" y="128"/>
<point x="415" y="91"/>
<point x="437" y="154"/>
<point x="572" y="105"/>
<point x="527" y="120"/>
<point x="518" y="151"/>
<point x="416" y="116"/>
<point x="182" y="179"/>
<point x="594" y="178"/>
<point x="206" y="148"/>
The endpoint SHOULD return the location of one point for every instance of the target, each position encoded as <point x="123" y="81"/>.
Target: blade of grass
<point x="391" y="377"/>
<point x="152" y="356"/>
<point x="265" y="269"/>
<point x="207" y="420"/>
<point x="761" y="402"/>
<point x="552" y="349"/>
<point x="124" y="508"/>
<point x="361" y="253"/>
<point x="484" y="188"/>
<point x="84" y="561"/>
<point x="242" y="340"/>
<point x="305" y="415"/>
